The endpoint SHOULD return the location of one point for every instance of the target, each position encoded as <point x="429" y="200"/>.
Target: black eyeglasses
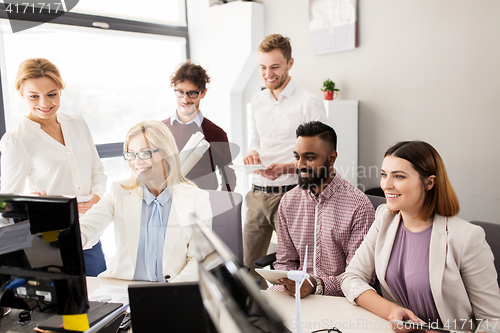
<point x="328" y="330"/>
<point x="143" y="154"/>
<point x="191" y="94"/>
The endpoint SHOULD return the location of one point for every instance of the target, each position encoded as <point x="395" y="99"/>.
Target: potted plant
<point x="329" y="90"/>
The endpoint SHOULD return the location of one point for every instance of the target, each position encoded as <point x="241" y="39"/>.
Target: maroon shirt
<point x="203" y="173"/>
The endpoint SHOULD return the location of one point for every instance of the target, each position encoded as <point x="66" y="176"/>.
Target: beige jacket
<point x="462" y="274"/>
<point x="123" y="207"/>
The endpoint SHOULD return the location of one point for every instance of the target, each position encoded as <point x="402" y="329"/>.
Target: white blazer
<point x="462" y="274"/>
<point x="123" y="207"/>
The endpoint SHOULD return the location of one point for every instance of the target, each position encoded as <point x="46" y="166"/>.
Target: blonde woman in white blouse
<point x="52" y="152"/>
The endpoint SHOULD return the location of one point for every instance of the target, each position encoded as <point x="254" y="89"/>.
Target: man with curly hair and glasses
<point x="190" y="86"/>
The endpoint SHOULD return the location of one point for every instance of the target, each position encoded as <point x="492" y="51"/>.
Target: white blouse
<point x="33" y="161"/>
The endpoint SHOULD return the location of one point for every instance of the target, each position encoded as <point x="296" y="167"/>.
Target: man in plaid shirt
<point x="324" y="212"/>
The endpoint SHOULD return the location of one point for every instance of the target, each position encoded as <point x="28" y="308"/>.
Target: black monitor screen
<point x="228" y="290"/>
<point x="40" y="243"/>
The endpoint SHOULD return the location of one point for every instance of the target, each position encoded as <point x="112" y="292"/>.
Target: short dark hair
<point x="317" y="128"/>
<point x="192" y="73"/>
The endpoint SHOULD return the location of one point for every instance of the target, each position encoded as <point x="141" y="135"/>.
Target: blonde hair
<point x="277" y="41"/>
<point x="159" y="135"/>
<point x="36" y="68"/>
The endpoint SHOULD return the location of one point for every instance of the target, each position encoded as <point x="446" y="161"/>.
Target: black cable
<point x="2" y="292"/>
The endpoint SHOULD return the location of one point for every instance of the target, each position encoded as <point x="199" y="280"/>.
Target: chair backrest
<point x="226" y="221"/>
<point x="492" y="231"/>
<point x="376" y="200"/>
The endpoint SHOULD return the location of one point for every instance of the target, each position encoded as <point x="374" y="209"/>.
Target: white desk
<point x="321" y="312"/>
<point x="94" y="283"/>
<point x="318" y="312"/>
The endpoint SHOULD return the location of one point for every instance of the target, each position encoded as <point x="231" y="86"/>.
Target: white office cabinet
<point x="343" y="117"/>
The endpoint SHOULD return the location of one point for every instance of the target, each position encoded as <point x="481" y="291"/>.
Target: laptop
<point x="97" y="311"/>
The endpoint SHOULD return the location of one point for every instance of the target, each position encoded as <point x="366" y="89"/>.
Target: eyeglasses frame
<point x="137" y="154"/>
<point x="183" y="93"/>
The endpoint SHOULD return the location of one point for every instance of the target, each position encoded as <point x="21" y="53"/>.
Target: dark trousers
<point x="94" y="260"/>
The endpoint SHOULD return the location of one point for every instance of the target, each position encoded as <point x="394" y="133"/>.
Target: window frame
<point x="111" y="149"/>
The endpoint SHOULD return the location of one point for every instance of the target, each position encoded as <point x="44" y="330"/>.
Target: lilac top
<point x="408" y="273"/>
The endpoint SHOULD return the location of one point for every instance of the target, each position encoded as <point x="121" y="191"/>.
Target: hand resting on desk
<point x="305" y="289"/>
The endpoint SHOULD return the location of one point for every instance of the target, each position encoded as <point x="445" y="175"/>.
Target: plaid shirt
<point x="333" y="226"/>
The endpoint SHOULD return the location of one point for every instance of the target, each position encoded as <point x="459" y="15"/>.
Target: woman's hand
<point x="83" y="207"/>
<point x="400" y="313"/>
<point x="42" y="193"/>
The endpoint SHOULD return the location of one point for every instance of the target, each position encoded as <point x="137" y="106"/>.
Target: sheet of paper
<point x="114" y="294"/>
<point x="84" y="198"/>
<point x="248" y="168"/>
<point x="192" y="143"/>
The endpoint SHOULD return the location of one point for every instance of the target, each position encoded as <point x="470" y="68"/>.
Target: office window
<point x="114" y="79"/>
<point x="164" y="12"/>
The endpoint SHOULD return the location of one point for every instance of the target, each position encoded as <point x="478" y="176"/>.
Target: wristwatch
<point x="319" y="286"/>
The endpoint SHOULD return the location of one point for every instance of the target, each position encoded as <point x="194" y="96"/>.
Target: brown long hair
<point x="441" y="198"/>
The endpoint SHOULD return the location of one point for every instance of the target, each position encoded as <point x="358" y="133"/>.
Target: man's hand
<point x="275" y="170"/>
<point x="305" y="290"/>
<point x="83" y="207"/>
<point x="252" y="158"/>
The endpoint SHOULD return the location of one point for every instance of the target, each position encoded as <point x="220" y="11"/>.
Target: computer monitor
<point x="43" y="248"/>
<point x="230" y="295"/>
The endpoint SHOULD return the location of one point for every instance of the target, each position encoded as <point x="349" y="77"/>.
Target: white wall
<point x="224" y="40"/>
<point x="424" y="69"/>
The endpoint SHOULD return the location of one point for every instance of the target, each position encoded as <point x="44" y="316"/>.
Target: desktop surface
<point x="323" y="312"/>
<point x="318" y="312"/>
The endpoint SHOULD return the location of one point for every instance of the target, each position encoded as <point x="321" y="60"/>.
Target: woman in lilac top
<point x="432" y="265"/>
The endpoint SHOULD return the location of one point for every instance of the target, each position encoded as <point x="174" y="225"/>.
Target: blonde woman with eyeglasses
<point x="153" y="211"/>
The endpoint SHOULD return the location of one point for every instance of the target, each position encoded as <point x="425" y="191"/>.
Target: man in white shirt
<point x="276" y="113"/>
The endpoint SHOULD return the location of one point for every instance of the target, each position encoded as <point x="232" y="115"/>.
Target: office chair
<point x="226" y="221"/>
<point x="492" y="231"/>
<point x="271" y="258"/>
<point x="376" y="200"/>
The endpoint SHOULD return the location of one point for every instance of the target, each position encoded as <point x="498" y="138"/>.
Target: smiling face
<point x="403" y="186"/>
<point x="153" y="171"/>
<point x="274" y="69"/>
<point x="43" y="97"/>
<point x="314" y="163"/>
<point x="188" y="108"/>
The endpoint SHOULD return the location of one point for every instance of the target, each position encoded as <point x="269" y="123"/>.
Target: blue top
<point x="154" y="220"/>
